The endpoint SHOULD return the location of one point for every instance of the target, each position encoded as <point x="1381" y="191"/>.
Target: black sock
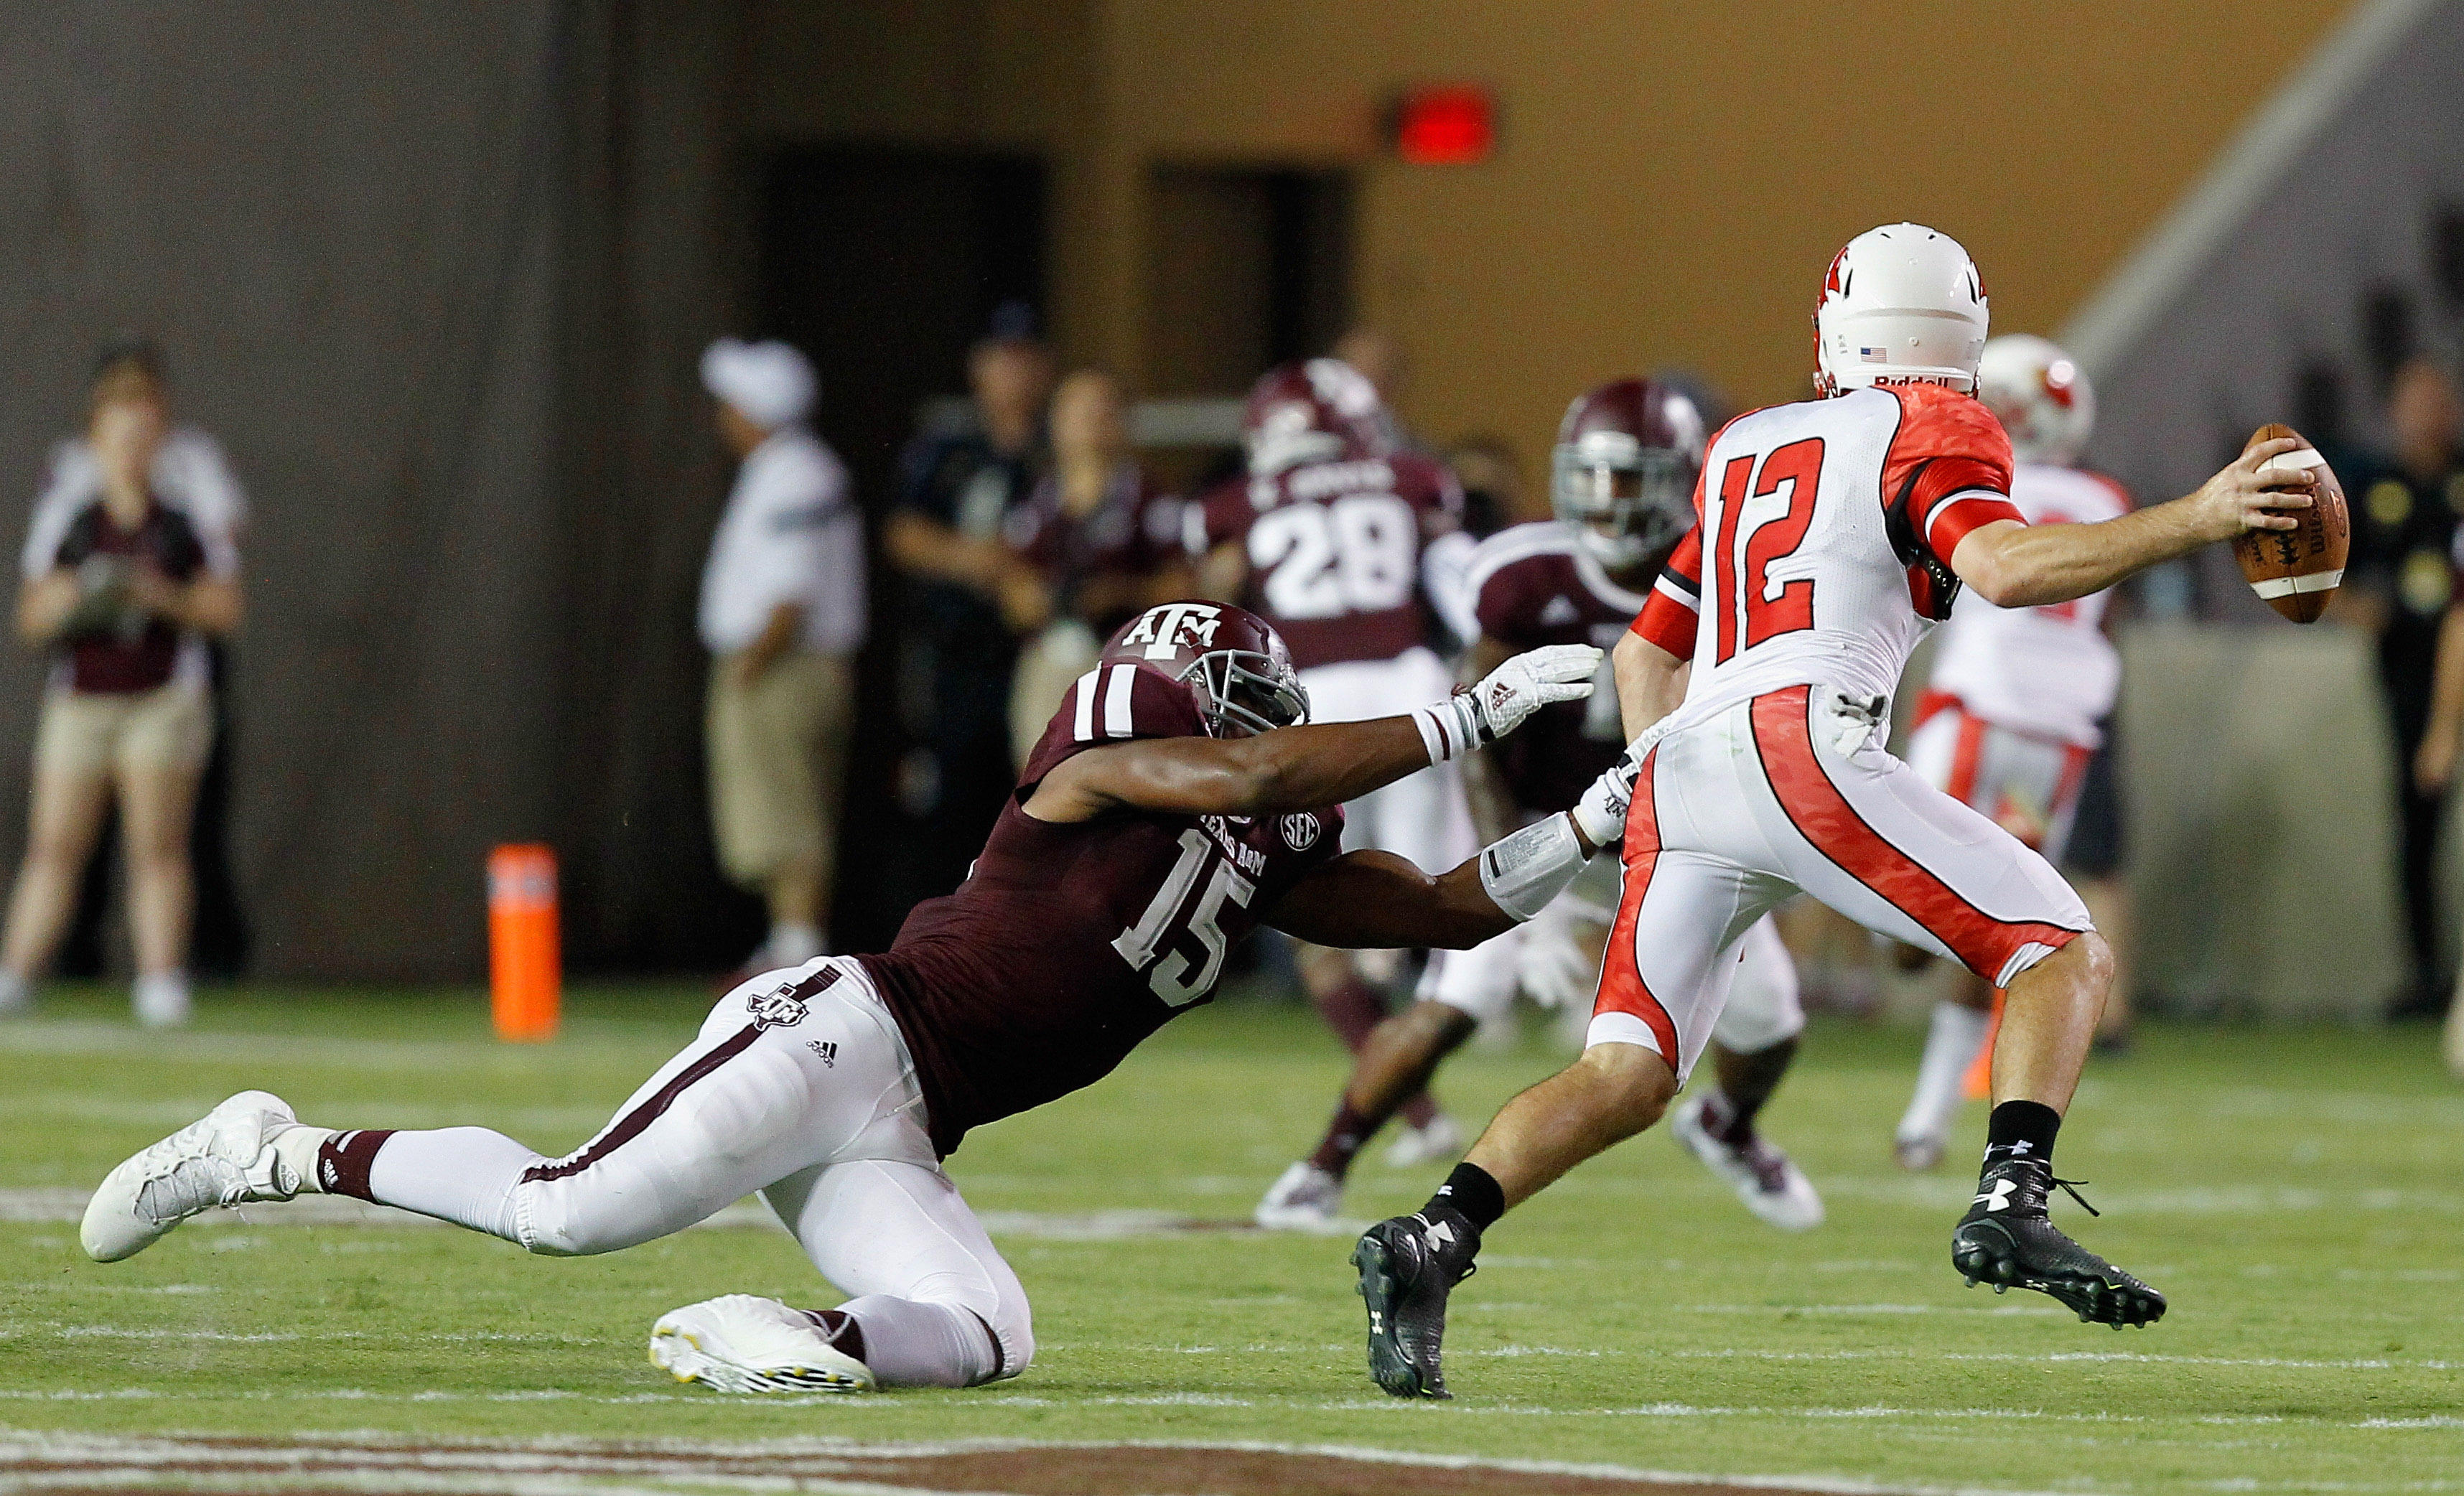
<point x="1471" y="1193"/>
<point x="2022" y="1129"/>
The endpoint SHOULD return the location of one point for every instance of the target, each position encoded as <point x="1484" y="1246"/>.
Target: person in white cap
<point x="783" y="614"/>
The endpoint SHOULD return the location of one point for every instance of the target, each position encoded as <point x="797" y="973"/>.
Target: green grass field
<point x="2298" y="1195"/>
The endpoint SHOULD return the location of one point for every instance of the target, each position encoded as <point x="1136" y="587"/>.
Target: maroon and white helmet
<point x="1232" y="661"/>
<point x="1622" y="473"/>
<point x="1313" y="410"/>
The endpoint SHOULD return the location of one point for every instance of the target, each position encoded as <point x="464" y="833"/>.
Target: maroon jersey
<point x="1134" y="532"/>
<point x="1533" y="585"/>
<point x="133" y="650"/>
<point x="1334" y="551"/>
<point x="1068" y="944"/>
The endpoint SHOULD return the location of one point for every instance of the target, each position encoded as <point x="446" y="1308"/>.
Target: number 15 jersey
<point x="1071" y="941"/>
<point x="1823" y="552"/>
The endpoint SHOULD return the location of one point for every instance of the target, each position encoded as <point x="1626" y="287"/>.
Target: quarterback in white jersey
<point x="2017" y="697"/>
<point x="1623" y="474"/>
<point x="1756" y="684"/>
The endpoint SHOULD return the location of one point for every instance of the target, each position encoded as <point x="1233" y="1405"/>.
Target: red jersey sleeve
<point x="1110" y="704"/>
<point x="1672" y="615"/>
<point x="1949" y="468"/>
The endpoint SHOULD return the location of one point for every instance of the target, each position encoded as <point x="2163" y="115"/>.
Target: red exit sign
<point x="1446" y="124"/>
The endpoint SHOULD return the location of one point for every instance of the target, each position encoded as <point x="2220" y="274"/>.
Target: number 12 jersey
<point x="1823" y="556"/>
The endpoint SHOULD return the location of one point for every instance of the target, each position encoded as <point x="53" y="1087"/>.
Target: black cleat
<point x="1408" y="1266"/>
<point x="2008" y="1240"/>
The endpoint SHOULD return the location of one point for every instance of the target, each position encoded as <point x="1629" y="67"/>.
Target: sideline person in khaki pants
<point x="783" y="614"/>
<point x="122" y="593"/>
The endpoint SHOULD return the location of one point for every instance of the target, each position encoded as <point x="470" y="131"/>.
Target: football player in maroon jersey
<point x="1172" y="807"/>
<point x="1622" y="483"/>
<point x="1331" y="536"/>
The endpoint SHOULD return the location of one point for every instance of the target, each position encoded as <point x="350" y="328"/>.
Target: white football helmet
<point x="2040" y="395"/>
<point x="1902" y="305"/>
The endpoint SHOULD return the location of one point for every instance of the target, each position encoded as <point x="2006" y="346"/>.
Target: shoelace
<point x="2068" y="1188"/>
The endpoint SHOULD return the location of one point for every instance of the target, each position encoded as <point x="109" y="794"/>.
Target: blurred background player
<point x="123" y="590"/>
<point x="2014" y="708"/>
<point x="971" y="598"/>
<point x="2399" y="586"/>
<point x="783" y="614"/>
<point x="1104" y="542"/>
<point x="1327" y="538"/>
<point x="1622" y="482"/>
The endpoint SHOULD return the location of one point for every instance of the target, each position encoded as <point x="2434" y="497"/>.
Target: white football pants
<point x="2030" y="786"/>
<point x="1790" y="792"/>
<point x="1422" y="817"/>
<point x="800" y="1087"/>
<point x="1556" y="958"/>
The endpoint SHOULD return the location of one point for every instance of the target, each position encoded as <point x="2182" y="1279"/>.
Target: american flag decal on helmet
<point x="1874" y="355"/>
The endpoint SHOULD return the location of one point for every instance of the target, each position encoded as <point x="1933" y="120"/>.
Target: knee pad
<point x="557" y="1219"/>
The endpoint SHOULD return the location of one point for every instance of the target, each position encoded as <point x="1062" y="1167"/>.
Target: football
<point x="2298" y="570"/>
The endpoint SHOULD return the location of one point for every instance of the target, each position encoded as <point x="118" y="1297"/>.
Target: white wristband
<point x="1524" y="872"/>
<point x="1449" y="729"/>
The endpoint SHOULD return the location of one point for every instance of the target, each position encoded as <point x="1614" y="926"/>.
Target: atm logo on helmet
<point x="1174" y="627"/>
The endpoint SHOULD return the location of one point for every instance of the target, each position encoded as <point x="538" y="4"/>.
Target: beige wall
<point x="1670" y="178"/>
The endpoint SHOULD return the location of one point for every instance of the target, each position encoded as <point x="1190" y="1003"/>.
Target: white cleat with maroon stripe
<point x="223" y="1158"/>
<point x="744" y="1343"/>
<point x="1766" y="1180"/>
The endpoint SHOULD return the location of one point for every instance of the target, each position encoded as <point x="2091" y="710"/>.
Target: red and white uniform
<point x="1335" y="553"/>
<point x="2017" y="695"/>
<point x="1817" y="564"/>
<point x="1533" y="585"/>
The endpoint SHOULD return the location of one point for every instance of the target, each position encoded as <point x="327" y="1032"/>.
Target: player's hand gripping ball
<point x="1531" y="680"/>
<point x="2297" y="571"/>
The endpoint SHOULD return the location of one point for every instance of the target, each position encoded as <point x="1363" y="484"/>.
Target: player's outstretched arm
<point x="1650" y="681"/>
<point x="1302" y="768"/>
<point x="1372" y="900"/>
<point x="2015" y="565"/>
<point x="1484" y="780"/>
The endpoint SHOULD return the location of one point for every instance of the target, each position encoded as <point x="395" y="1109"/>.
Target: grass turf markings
<point x="1124" y="1319"/>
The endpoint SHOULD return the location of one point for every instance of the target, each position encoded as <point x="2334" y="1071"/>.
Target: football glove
<point x="1600" y="814"/>
<point x="1505" y="697"/>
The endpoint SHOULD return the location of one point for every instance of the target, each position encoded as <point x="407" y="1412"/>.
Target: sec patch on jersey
<point x="2297" y="571"/>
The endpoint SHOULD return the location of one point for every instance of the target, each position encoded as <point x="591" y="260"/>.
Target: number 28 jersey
<point x="1070" y="942"/>
<point x="1823" y="550"/>
<point x="1334" y="551"/>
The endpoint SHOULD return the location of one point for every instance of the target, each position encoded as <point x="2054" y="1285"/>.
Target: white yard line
<point x="1867" y="1413"/>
